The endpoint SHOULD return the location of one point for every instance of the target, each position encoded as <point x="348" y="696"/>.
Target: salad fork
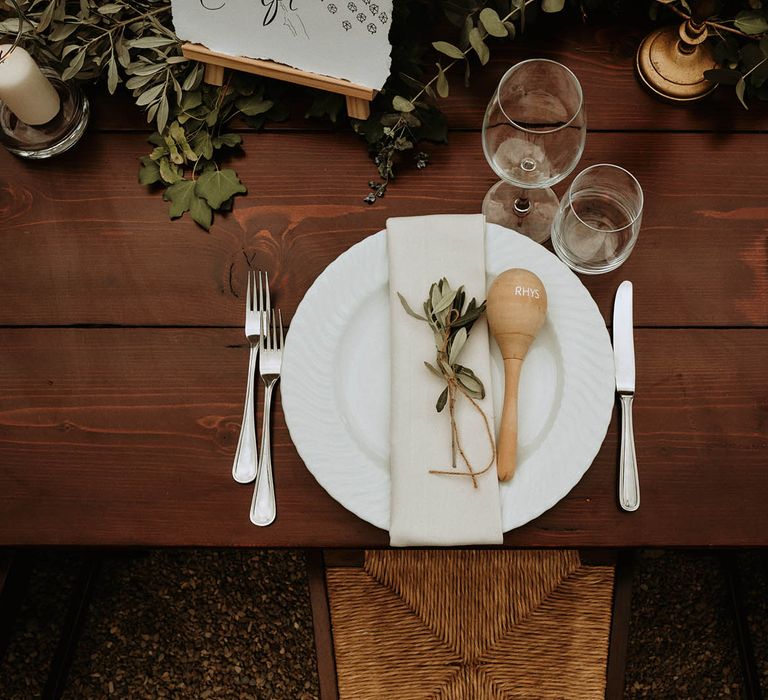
<point x="256" y="309"/>
<point x="263" y="508"/>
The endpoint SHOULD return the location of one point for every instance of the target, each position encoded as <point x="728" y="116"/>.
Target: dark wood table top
<point x="123" y="355"/>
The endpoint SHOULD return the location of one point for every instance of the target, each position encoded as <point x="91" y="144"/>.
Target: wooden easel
<point x="358" y="97"/>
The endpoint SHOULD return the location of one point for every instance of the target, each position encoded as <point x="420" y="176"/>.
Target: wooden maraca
<point x="516" y="308"/>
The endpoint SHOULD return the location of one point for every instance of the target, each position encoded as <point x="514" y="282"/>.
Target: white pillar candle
<point x="24" y="89"/>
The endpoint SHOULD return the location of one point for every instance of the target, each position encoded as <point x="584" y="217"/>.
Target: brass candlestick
<point x="671" y="62"/>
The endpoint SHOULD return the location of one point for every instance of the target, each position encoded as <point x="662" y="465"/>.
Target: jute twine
<point x="471" y="625"/>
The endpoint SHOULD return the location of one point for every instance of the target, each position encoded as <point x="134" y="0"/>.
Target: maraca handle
<point x="506" y="447"/>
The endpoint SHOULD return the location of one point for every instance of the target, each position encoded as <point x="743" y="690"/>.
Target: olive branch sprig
<point x="451" y="322"/>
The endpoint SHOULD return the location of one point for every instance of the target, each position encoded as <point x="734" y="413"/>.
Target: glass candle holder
<point x="55" y="136"/>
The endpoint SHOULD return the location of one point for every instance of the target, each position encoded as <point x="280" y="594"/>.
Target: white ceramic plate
<point x="336" y="394"/>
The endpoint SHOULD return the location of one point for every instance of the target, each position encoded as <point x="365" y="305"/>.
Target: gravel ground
<point x="25" y="667"/>
<point x="681" y="643"/>
<point x="237" y="624"/>
<point x="754" y="570"/>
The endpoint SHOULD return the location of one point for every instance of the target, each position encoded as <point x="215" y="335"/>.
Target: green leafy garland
<point x="131" y="42"/>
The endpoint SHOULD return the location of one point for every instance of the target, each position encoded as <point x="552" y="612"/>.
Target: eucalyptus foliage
<point x="131" y="43"/>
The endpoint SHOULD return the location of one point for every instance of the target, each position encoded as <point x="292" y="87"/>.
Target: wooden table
<point x="123" y="355"/>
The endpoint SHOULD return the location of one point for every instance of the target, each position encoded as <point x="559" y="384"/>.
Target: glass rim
<point x="517" y="125"/>
<point x="634" y="218"/>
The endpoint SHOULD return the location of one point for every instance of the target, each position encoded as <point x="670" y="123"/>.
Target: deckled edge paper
<point x="429" y="509"/>
<point x="345" y="39"/>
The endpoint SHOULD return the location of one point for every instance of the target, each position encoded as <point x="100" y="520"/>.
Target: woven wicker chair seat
<point x="471" y="625"/>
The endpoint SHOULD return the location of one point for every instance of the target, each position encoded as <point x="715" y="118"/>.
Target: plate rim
<point x="495" y="237"/>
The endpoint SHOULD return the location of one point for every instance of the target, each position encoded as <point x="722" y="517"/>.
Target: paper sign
<point x="340" y="38"/>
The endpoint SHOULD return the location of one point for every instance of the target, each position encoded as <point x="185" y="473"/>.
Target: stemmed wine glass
<point x="533" y="136"/>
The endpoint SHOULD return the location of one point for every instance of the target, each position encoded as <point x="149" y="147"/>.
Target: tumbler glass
<point x="598" y="220"/>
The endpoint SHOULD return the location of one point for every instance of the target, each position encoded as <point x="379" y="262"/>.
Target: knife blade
<point x="624" y="360"/>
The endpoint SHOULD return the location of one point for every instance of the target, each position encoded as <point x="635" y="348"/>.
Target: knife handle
<point x="629" y="482"/>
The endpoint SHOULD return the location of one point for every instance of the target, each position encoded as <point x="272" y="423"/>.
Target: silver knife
<point x="624" y="358"/>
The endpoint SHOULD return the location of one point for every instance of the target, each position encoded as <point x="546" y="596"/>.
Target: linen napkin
<point x="433" y="509"/>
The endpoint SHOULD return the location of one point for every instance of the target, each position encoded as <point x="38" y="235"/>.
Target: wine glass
<point x="533" y="136"/>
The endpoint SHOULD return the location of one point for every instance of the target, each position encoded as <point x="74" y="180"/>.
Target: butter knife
<point x="624" y="359"/>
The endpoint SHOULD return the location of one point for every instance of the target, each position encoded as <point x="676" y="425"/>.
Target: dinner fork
<point x="263" y="509"/>
<point x="256" y="309"/>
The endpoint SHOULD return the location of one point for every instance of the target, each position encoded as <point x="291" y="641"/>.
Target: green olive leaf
<point x="408" y="309"/>
<point x="457" y="345"/>
<point x="442" y="400"/>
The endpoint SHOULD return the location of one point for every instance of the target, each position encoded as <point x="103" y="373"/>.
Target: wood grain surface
<point x="83" y="243"/>
<point x="123" y="357"/>
<point x="115" y="437"/>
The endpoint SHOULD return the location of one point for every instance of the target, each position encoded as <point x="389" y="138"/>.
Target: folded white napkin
<point x="432" y="509"/>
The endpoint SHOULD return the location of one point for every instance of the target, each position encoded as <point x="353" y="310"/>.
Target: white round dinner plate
<point x="336" y="381"/>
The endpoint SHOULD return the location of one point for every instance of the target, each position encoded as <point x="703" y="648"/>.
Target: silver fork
<point x="256" y="310"/>
<point x="263" y="509"/>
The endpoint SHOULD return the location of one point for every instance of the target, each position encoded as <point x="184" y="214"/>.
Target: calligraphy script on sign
<point x="340" y="38"/>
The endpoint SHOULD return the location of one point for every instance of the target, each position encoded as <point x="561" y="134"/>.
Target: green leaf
<point x="471" y="383"/>
<point x="45" y="17"/>
<point x="433" y="369"/>
<point x="751" y="22"/>
<point x="448" y="49"/>
<point x="457" y="345"/>
<point x="740" y="86"/>
<point x="201" y="213"/>
<point x="193" y="78"/>
<point x="169" y="172"/>
<point x="112" y="76"/>
<point x="492" y="23"/>
<point x="162" y="113"/>
<point x="552" y="5"/>
<point x="150" y="42"/>
<point x="402" y="105"/>
<point x="149" y="171"/>
<point x="217" y="186"/>
<point x="442" y="82"/>
<point x="62" y="31"/>
<point x="480" y="47"/>
<point x="202" y="144"/>
<point x="253" y="105"/>
<point x="408" y="309"/>
<point x="149" y="95"/>
<point x="180" y="195"/>
<point x="445" y="302"/>
<point x="74" y="65"/>
<point x="442" y="400"/>
<point x="110" y="8"/>
<point x="230" y="140"/>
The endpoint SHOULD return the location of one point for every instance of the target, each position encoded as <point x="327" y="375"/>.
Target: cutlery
<point x="516" y="308"/>
<point x="263" y="509"/>
<point x="624" y="358"/>
<point x="256" y="308"/>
